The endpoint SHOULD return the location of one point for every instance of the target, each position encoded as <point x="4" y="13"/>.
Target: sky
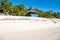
<point x="44" y="5"/>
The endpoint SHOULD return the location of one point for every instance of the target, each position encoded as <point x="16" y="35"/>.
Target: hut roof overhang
<point x="32" y="11"/>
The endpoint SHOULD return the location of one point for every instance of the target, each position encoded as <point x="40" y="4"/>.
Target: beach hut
<point x="33" y="13"/>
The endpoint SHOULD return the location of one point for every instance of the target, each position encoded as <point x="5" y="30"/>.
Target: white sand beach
<point x="29" y="28"/>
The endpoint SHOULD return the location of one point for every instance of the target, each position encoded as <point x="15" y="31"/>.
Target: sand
<point x="29" y="28"/>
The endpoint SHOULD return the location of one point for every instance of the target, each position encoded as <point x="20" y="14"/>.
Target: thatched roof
<point x="33" y="11"/>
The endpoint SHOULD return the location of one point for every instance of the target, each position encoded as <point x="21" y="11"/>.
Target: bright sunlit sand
<point x="29" y="28"/>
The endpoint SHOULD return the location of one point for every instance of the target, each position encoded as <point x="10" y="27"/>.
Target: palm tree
<point x="6" y="6"/>
<point x="22" y="7"/>
<point x="30" y="8"/>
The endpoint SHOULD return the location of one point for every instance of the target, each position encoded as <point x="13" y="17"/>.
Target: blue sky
<point x="44" y="5"/>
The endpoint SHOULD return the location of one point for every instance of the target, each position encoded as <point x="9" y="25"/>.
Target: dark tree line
<point x="20" y="10"/>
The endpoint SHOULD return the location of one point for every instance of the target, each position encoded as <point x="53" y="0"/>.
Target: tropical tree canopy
<point x="20" y="10"/>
